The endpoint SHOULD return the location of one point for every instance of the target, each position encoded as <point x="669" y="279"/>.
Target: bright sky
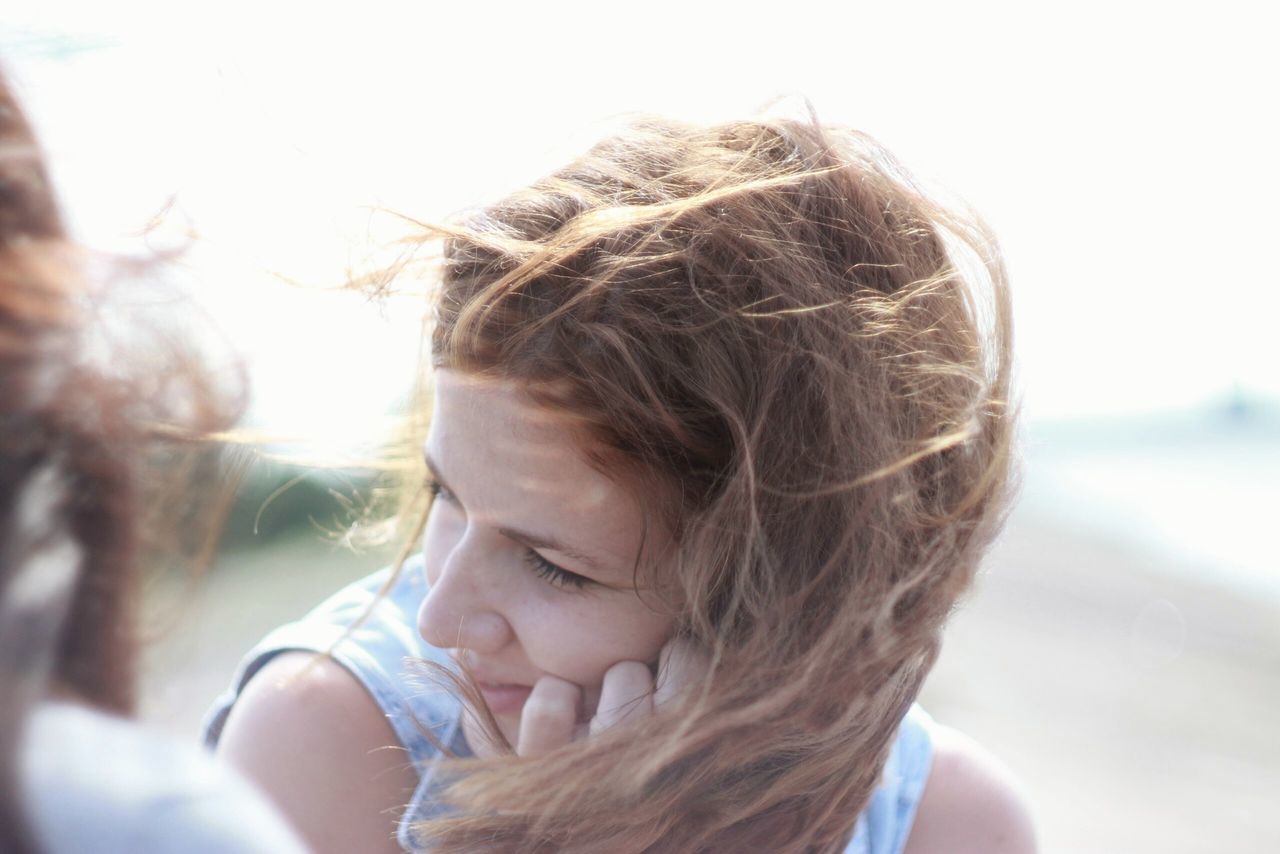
<point x="1124" y="152"/>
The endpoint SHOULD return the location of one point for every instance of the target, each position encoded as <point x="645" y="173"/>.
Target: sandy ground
<point x="1137" y="707"/>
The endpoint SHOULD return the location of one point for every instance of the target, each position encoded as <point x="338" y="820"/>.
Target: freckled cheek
<point x="580" y="643"/>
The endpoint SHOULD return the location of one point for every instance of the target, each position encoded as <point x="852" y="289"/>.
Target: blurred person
<point x="719" y="431"/>
<point x="77" y="429"/>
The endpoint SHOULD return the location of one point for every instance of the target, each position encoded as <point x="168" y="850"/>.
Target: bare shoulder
<point x="971" y="803"/>
<point x="306" y="731"/>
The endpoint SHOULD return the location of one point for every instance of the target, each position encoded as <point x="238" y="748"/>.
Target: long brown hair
<point x="78" y="437"/>
<point x="773" y="317"/>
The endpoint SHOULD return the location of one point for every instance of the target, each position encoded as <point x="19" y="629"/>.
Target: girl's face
<point x="530" y="551"/>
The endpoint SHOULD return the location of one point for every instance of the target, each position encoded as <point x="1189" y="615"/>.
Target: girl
<point x="74" y="438"/>
<point x="720" y="429"/>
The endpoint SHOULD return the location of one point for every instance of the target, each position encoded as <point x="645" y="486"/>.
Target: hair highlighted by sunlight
<point x="775" y="320"/>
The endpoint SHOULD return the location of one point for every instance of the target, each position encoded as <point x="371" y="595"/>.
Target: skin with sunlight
<point x="530" y="553"/>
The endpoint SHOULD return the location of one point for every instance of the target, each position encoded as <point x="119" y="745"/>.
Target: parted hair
<point x="811" y="352"/>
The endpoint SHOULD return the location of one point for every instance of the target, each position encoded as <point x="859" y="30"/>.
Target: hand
<point x="550" y="716"/>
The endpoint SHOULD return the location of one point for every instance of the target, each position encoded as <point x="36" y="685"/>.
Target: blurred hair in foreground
<point x="98" y="410"/>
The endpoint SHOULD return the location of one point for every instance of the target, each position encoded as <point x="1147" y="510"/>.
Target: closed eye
<point x="555" y="575"/>
<point x="558" y="576"/>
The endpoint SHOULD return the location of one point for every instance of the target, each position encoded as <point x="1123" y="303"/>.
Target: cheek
<point x="579" y="640"/>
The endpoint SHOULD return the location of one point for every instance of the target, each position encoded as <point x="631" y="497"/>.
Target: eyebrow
<point x="533" y="541"/>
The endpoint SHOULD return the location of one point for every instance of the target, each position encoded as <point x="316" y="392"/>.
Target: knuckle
<point x="553" y="702"/>
<point x="628" y="673"/>
<point x="545" y="711"/>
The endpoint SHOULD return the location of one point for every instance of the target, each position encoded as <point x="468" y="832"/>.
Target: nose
<point x="459" y="611"/>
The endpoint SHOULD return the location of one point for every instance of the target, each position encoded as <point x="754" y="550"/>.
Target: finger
<point x="682" y="666"/>
<point x="625" y="694"/>
<point x="548" y="716"/>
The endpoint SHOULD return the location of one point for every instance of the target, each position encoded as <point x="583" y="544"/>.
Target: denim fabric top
<point x="95" y="782"/>
<point x="380" y="653"/>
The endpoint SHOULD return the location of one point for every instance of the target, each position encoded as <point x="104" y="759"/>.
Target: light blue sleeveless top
<point x="380" y="653"/>
<point x="90" y="781"/>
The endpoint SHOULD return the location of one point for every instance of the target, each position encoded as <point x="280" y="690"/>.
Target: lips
<point x="504" y="698"/>
<point x="502" y="691"/>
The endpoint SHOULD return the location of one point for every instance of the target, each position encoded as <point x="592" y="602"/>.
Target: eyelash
<point x="554" y="575"/>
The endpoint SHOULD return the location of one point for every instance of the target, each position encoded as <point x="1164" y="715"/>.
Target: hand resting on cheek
<point x="550" y="718"/>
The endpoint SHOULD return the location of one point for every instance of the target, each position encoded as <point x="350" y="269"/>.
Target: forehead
<point x="513" y="462"/>
<point x="493" y="428"/>
<point x="502" y="404"/>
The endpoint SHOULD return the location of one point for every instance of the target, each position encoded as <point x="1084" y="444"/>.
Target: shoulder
<point x="308" y="732"/>
<point x="971" y="803"/>
<point x="154" y="794"/>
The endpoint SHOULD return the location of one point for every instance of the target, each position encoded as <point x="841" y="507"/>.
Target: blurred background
<point x="1121" y="652"/>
